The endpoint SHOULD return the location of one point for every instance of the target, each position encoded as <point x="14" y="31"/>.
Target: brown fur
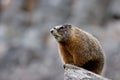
<point x="79" y="48"/>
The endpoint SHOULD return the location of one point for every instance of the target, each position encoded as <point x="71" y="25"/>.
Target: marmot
<point x="79" y="48"/>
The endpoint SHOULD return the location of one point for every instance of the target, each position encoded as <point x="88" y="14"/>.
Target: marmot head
<point x="61" y="32"/>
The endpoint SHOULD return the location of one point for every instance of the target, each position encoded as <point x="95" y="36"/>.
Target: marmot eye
<point x="62" y="27"/>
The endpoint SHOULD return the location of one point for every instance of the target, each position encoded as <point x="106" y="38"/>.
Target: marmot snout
<point x="61" y="32"/>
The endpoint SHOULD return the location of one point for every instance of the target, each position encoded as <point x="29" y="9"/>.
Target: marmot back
<point x="79" y="48"/>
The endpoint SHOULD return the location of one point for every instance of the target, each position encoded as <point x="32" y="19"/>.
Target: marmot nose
<point x="51" y="30"/>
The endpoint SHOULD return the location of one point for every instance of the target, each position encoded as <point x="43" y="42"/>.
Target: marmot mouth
<point x="56" y="36"/>
<point x="54" y="33"/>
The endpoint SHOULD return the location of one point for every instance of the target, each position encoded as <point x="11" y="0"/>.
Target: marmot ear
<point x="69" y="26"/>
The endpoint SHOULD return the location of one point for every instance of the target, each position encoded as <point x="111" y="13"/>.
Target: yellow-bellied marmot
<point x="79" y="48"/>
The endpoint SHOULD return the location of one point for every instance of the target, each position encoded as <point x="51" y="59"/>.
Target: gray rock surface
<point x="75" y="73"/>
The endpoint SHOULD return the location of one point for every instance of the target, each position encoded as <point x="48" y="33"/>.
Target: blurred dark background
<point x="29" y="52"/>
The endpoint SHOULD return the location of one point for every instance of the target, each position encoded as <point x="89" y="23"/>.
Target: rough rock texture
<point x="76" y="73"/>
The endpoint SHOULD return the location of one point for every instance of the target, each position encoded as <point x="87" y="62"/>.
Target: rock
<point x="75" y="73"/>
